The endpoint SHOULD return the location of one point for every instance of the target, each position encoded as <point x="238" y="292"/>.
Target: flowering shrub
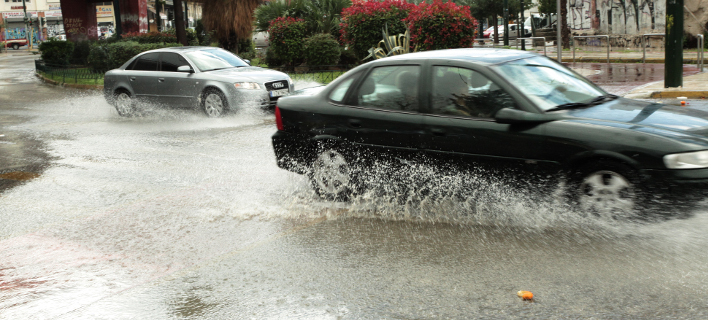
<point x="286" y="37"/>
<point x="441" y="25"/>
<point x="362" y="23"/>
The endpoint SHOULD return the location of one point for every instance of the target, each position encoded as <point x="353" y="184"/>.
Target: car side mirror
<point x="516" y="116"/>
<point x="185" y="68"/>
<point x="247" y="61"/>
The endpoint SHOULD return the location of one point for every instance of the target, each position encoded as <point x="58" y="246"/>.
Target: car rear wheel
<point x="332" y="175"/>
<point x="607" y="190"/>
<point x="124" y="104"/>
<point x="214" y="103"/>
<point x="16" y="46"/>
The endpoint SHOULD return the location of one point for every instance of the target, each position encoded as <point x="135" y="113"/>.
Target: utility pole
<point x="558" y="25"/>
<point x="523" y="27"/>
<point x="158" y="18"/>
<point x="673" y="59"/>
<point x="116" y="15"/>
<point x="28" y="32"/>
<point x="506" y="23"/>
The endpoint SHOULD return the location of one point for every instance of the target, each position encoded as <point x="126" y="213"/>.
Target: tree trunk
<point x="496" y="28"/>
<point x="179" y="22"/>
<point x="565" y="30"/>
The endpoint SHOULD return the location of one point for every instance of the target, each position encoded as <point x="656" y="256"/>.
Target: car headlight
<point x="247" y="85"/>
<point x="688" y="160"/>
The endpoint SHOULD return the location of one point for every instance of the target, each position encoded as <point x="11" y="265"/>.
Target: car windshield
<point x="215" y="59"/>
<point x="549" y="84"/>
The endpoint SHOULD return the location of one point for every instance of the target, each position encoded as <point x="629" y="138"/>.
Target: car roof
<point x="478" y="55"/>
<point x="182" y="49"/>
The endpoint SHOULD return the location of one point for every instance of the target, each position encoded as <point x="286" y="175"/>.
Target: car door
<point x="381" y="114"/>
<point x="142" y="78"/>
<point x="460" y="125"/>
<point x="176" y="88"/>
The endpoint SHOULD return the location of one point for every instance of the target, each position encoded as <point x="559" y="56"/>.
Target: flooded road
<point x="177" y="216"/>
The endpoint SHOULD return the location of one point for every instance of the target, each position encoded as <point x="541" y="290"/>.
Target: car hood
<point x="253" y="74"/>
<point x="661" y="119"/>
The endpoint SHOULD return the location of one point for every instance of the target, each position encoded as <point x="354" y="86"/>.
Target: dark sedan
<point x="212" y="79"/>
<point x="507" y="109"/>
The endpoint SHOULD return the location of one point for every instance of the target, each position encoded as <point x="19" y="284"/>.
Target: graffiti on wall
<point x="21" y="33"/>
<point x="617" y="16"/>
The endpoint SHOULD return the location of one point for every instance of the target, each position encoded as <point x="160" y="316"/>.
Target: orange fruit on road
<point x="526" y="295"/>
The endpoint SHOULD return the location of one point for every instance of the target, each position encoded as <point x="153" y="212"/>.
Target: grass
<point x="73" y="76"/>
<point x="321" y="77"/>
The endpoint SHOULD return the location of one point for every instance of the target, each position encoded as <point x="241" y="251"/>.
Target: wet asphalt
<point x="176" y="216"/>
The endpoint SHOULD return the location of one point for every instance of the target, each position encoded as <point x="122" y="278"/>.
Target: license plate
<point x="278" y="93"/>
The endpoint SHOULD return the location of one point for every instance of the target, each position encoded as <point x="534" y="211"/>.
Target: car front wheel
<point x="214" y="103"/>
<point x="606" y="190"/>
<point x="332" y="175"/>
<point x="16" y="46"/>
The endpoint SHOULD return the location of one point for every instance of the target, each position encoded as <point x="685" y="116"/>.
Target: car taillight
<point x="278" y="119"/>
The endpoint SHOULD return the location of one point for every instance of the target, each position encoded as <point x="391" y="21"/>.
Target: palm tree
<point x="229" y="20"/>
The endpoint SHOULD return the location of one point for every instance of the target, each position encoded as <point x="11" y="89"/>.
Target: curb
<point x="676" y="94"/>
<point x="69" y="85"/>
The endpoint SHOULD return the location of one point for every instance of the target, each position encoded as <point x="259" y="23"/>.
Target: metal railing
<point x="536" y="38"/>
<point x="598" y="36"/>
<point x="70" y="73"/>
<point x="644" y="47"/>
<point x="319" y="74"/>
<point x="699" y="63"/>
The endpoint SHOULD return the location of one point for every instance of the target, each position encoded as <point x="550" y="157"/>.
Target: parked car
<point x="212" y="79"/>
<point x="521" y="113"/>
<point x="14" y="43"/>
<point x="513" y="34"/>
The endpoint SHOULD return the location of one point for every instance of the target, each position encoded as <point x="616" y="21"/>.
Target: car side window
<point x="340" y="92"/>
<point x="466" y="93"/>
<point x="390" y="88"/>
<point x="171" y="61"/>
<point x="147" y="62"/>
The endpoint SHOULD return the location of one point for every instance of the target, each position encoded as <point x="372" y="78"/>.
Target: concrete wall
<point x="618" y="16"/>
<point x="632" y="17"/>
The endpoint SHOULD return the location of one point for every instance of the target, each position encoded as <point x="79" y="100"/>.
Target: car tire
<point x="16" y="46"/>
<point x="124" y="103"/>
<point x="607" y="190"/>
<point x="214" y="103"/>
<point x="333" y="174"/>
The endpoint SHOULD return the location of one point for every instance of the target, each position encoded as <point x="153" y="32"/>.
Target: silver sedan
<point x="212" y="79"/>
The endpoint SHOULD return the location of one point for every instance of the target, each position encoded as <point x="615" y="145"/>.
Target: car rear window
<point x="147" y="62"/>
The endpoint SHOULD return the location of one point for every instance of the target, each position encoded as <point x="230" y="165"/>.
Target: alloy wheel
<point x="607" y="194"/>
<point x="213" y="105"/>
<point x="124" y="104"/>
<point x="331" y="173"/>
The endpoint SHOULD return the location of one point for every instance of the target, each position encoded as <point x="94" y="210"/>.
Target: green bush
<point x="347" y="57"/>
<point x="246" y="49"/>
<point x="285" y="37"/>
<point x="98" y="58"/>
<point x="81" y="52"/>
<point x="272" y="60"/>
<point x="151" y="37"/>
<point x="56" y="51"/>
<point x="321" y="50"/>
<point x="113" y="55"/>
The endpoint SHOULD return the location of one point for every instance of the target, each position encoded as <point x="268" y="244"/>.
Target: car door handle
<point x="161" y="79"/>
<point x="438" y="132"/>
<point x="132" y="78"/>
<point x="354" y="123"/>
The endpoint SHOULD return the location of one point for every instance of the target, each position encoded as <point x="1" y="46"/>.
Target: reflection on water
<point x="176" y="215"/>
